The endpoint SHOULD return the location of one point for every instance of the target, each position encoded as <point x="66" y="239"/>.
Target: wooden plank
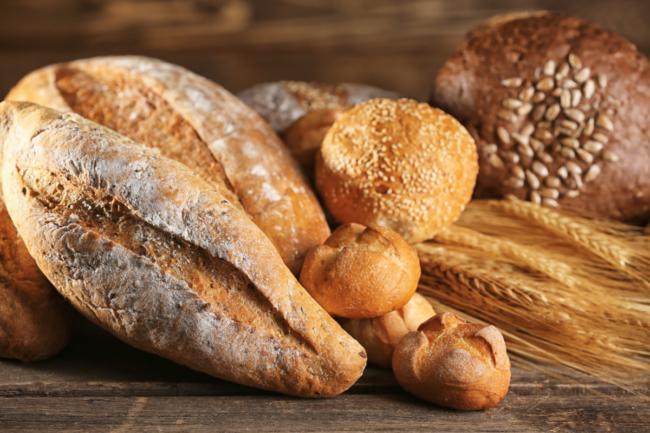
<point x="377" y="412"/>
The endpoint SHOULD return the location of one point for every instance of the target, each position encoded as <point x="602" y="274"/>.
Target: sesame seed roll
<point x="397" y="163"/>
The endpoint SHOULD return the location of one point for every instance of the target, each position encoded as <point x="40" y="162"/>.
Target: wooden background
<point x="100" y="384"/>
<point x="394" y="44"/>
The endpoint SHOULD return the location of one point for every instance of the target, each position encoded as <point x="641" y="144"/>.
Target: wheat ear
<point x="521" y="255"/>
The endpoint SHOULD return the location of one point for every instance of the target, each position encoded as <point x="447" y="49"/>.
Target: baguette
<point x="35" y="321"/>
<point x="146" y="249"/>
<point x="196" y="122"/>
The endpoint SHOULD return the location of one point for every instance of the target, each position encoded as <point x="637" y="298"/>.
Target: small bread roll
<point x="454" y="364"/>
<point x="380" y="335"/>
<point x="305" y="135"/>
<point x="361" y="272"/>
<point x="397" y="163"/>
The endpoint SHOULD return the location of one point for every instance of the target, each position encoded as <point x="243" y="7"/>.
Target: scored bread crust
<point x="35" y="321"/>
<point x="143" y="247"/>
<point x="454" y="364"/>
<point x="245" y="160"/>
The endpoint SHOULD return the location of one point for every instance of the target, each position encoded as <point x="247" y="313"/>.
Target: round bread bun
<point x="361" y="272"/>
<point x="397" y="163"/>
<point x="283" y="102"/>
<point x="305" y="135"/>
<point x="380" y="335"/>
<point x="559" y="108"/>
<point x="454" y="364"/>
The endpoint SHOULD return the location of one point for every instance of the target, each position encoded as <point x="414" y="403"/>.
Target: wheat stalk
<point x="573" y="229"/>
<point x="525" y="256"/>
<point x="517" y="267"/>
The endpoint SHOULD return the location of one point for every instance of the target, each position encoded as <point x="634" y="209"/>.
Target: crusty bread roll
<point x="283" y="102"/>
<point x="361" y="272"/>
<point x="35" y="321"/>
<point x="305" y="136"/>
<point x="196" y="122"/>
<point x="380" y="335"/>
<point x="146" y="249"/>
<point x="454" y="364"/>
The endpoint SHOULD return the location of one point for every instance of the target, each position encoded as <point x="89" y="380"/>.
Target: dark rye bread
<point x="583" y="146"/>
<point x="198" y="123"/>
<point x="282" y="103"/>
<point x="35" y="321"/>
<point x="144" y="248"/>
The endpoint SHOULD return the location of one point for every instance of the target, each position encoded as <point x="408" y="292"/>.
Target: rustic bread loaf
<point x="454" y="364"/>
<point x="284" y="102"/>
<point x="400" y="164"/>
<point x="196" y="122"/>
<point x="145" y="248"/>
<point x="361" y="272"/>
<point x="35" y="321"/>
<point x="380" y="335"/>
<point x="558" y="107"/>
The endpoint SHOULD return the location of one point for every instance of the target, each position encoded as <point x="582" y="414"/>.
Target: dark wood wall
<point x="395" y="44"/>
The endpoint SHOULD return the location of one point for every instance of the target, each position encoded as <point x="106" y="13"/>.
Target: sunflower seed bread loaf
<point x="146" y="249"/>
<point x="558" y="108"/>
<point x="198" y="123"/>
<point x="35" y="321"/>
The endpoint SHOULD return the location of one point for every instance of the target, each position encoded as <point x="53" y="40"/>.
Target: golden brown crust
<point x="143" y="247"/>
<point x="361" y="272"/>
<point x="198" y="123"/>
<point x="454" y="364"/>
<point x="380" y="335"/>
<point x="305" y="135"/>
<point x="397" y="163"/>
<point x="35" y="321"/>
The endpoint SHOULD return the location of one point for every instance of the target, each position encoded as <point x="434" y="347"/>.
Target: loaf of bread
<point x="198" y="123"/>
<point x="361" y="272"/>
<point x="35" y="321"/>
<point x="380" y="335"/>
<point x="400" y="164"/>
<point x="454" y="364"/>
<point x="557" y="106"/>
<point x="284" y="102"/>
<point x="146" y="249"/>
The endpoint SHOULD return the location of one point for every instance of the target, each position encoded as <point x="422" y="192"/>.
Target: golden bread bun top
<point x="397" y="163"/>
<point x="361" y="272"/>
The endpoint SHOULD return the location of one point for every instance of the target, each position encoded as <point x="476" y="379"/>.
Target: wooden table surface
<point x="100" y="384"/>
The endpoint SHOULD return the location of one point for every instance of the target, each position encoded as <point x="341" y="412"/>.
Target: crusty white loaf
<point x="198" y="123"/>
<point x="143" y="247"/>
